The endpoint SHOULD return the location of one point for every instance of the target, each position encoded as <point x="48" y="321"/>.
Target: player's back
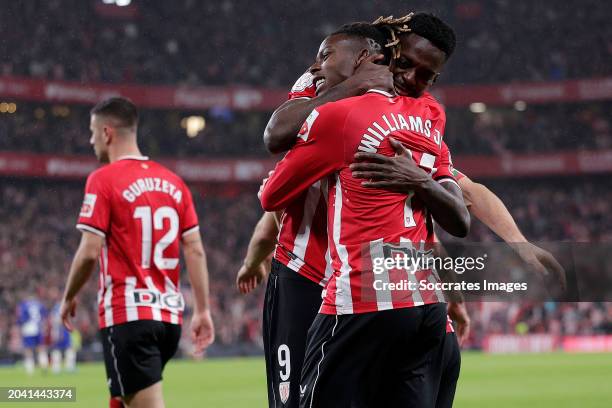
<point x="367" y="225"/>
<point x="366" y="213"/>
<point x="142" y="209"/>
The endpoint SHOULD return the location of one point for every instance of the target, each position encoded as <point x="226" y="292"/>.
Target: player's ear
<point x="363" y="54"/>
<point x="107" y="134"/>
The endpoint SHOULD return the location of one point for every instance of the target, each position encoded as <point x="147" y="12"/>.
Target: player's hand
<point x="263" y="184"/>
<point x="370" y="75"/>
<point x="542" y="261"/>
<point x="458" y="313"/>
<point x="249" y="277"/>
<point x="202" y="331"/>
<point x="399" y="174"/>
<point x="67" y="312"/>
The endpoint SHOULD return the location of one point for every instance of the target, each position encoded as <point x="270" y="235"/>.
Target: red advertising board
<point x="250" y="98"/>
<point x="254" y="170"/>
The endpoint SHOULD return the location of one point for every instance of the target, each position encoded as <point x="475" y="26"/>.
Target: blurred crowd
<point x="38" y="238"/>
<point x="56" y="129"/>
<point x="270" y="43"/>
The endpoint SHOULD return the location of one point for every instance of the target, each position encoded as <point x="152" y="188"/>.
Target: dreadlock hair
<point x="375" y="37"/>
<point x="425" y="25"/>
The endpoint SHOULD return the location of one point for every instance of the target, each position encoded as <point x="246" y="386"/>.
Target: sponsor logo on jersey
<point x="283" y="389"/>
<point x="89" y="203"/>
<point x="305" y="130"/>
<point x="145" y="297"/>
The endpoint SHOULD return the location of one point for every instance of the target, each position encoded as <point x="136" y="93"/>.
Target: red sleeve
<point x="189" y="219"/>
<point x="318" y="152"/>
<point x="96" y="209"/>
<point x="304" y="87"/>
<point x="444" y="165"/>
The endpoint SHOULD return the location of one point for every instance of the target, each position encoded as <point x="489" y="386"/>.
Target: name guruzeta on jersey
<point x="149" y="184"/>
<point x="375" y="134"/>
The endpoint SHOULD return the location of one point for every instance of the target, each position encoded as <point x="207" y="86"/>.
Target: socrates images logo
<point x="283" y="389"/>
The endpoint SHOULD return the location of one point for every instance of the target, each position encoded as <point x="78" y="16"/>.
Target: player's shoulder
<point x="432" y="102"/>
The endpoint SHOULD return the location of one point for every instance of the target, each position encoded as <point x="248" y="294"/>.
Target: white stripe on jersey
<point x="154" y="309"/>
<point x="416" y="294"/>
<point x="344" y="300"/>
<point x="310" y="206"/>
<point x="108" y="298"/>
<point x="328" y="268"/>
<point x="328" y="262"/>
<point x="383" y="296"/>
<point x="170" y="288"/>
<point x="131" y="310"/>
<point x="434" y="277"/>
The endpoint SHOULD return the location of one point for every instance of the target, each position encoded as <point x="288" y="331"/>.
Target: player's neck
<point x="122" y="150"/>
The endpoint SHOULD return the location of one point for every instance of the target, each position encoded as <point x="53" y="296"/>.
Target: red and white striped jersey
<point x="302" y="238"/>
<point x="141" y="209"/>
<point x="365" y="224"/>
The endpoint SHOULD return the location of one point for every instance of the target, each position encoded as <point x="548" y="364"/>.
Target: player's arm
<point x="490" y="209"/>
<point x="400" y="173"/>
<point x="318" y="152"/>
<point x="285" y="122"/>
<point x="203" y="332"/>
<point x="83" y="265"/>
<point x="263" y="241"/>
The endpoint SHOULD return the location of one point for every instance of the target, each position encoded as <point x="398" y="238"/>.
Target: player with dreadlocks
<point x="280" y="135"/>
<point x="345" y="364"/>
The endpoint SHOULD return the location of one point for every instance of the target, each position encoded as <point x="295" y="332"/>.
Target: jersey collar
<point x="143" y="158"/>
<point x="381" y="92"/>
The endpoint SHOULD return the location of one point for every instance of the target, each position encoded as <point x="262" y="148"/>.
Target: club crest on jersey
<point x="303" y="82"/>
<point x="283" y="389"/>
<point x="87" y="208"/>
<point x="305" y="130"/>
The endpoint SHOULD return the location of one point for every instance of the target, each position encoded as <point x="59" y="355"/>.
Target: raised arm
<point x="286" y="121"/>
<point x="318" y="152"/>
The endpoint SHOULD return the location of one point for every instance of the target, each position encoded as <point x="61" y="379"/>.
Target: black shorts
<point x="379" y="359"/>
<point x="447" y="373"/>
<point x="291" y="304"/>
<point x="135" y="354"/>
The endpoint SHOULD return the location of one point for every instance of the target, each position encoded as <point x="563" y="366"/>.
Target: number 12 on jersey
<point x="155" y="220"/>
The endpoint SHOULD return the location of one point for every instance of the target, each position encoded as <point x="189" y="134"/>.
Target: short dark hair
<point x="119" y="108"/>
<point x="435" y="30"/>
<point x="366" y="30"/>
